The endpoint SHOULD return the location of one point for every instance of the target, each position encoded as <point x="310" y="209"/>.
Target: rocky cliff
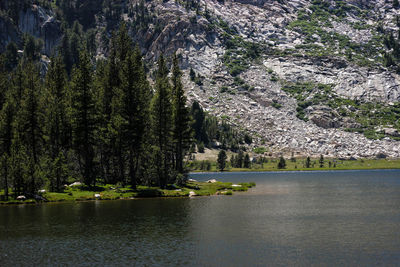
<point x="308" y="77"/>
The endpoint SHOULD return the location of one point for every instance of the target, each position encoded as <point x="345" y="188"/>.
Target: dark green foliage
<point x="134" y="101"/>
<point x="57" y="129"/>
<point x="28" y="136"/>
<point x="246" y="161"/>
<point x="32" y="47"/>
<point x="221" y="161"/>
<point x="321" y="161"/>
<point x="308" y="162"/>
<point x="208" y="129"/>
<point x="281" y="163"/>
<point x="162" y="129"/>
<point x="11" y="56"/>
<point x="84" y="118"/>
<point x="182" y="133"/>
<point x="200" y="147"/>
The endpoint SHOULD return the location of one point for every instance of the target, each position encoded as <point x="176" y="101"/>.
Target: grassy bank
<point x="110" y="192"/>
<point x="300" y="163"/>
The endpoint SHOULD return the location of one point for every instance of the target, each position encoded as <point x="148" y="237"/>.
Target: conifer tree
<point x="28" y="123"/>
<point x="162" y="124"/>
<point x="182" y="134"/>
<point x="221" y="161"/>
<point x="108" y="80"/>
<point x="282" y="163"/>
<point x="134" y="101"/>
<point x="321" y="161"/>
<point x="6" y="135"/>
<point x="246" y="161"/>
<point x="84" y="118"/>
<point x="57" y="128"/>
<point x="308" y="162"/>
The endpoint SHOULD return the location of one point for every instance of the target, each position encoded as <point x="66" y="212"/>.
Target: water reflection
<point x="302" y="219"/>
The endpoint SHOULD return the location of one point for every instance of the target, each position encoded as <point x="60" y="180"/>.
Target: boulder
<point x="392" y="132"/>
<point x="212" y="181"/>
<point x="21" y="198"/>
<point x="97" y="196"/>
<point x="75" y="184"/>
<point x="192" y="194"/>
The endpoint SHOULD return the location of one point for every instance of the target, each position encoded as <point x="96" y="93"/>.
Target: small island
<point x="80" y="192"/>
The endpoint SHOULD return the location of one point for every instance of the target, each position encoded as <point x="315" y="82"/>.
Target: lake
<point x="289" y="218"/>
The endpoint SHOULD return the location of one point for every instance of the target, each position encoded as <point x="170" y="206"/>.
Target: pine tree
<point x="182" y="133"/>
<point x="134" y="101"/>
<point x="321" y="161"/>
<point x="84" y="118"/>
<point x="281" y="163"/>
<point x="57" y="129"/>
<point x="162" y="124"/>
<point x="108" y="79"/>
<point x="239" y="159"/>
<point x="6" y="135"/>
<point x="308" y="162"/>
<point x="28" y="122"/>
<point x="246" y="161"/>
<point x="221" y="161"/>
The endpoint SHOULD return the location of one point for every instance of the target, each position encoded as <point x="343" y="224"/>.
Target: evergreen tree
<point x="246" y="161"/>
<point x="28" y="124"/>
<point x="84" y="118"/>
<point x="11" y="56"/>
<point x="281" y="163"/>
<point x="321" y="161"/>
<point x="134" y="100"/>
<point x="162" y="124"/>
<point x="239" y="159"/>
<point x="182" y="134"/>
<point x="221" y="161"/>
<point x="308" y="162"/>
<point x="108" y="82"/>
<point x="6" y="135"/>
<point x="57" y="129"/>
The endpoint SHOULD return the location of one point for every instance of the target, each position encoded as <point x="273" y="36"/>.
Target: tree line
<point x="101" y="122"/>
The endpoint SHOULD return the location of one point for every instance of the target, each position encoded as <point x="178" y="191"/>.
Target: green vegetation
<point x="313" y="26"/>
<point x="302" y="164"/>
<point x="239" y="53"/>
<point x="370" y="116"/>
<point x="221" y="161"/>
<point x="114" y="192"/>
<point x="102" y="124"/>
<point x="209" y="130"/>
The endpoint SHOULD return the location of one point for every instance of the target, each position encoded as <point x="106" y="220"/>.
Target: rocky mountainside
<point x="304" y="77"/>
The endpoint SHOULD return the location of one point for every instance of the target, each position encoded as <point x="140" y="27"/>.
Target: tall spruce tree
<point x="6" y="135"/>
<point x="134" y="101"/>
<point x="28" y="124"/>
<point x="162" y="124"/>
<point x="84" y="118"/>
<point x="182" y="132"/>
<point x="108" y="80"/>
<point x="57" y="127"/>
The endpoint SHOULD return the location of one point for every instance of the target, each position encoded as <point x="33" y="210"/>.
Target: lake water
<point x="297" y="219"/>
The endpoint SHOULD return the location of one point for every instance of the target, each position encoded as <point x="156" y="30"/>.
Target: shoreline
<point x="191" y="189"/>
<point x="292" y="170"/>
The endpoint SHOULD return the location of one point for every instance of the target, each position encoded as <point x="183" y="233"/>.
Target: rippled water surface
<point x="302" y="218"/>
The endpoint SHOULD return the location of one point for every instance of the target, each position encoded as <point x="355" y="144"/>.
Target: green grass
<point x="108" y="192"/>
<point x="299" y="165"/>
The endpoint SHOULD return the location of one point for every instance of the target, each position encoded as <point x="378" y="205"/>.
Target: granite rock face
<point x="255" y="100"/>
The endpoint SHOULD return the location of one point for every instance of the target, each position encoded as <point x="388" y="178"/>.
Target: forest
<point x="98" y="121"/>
<point x="101" y="123"/>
